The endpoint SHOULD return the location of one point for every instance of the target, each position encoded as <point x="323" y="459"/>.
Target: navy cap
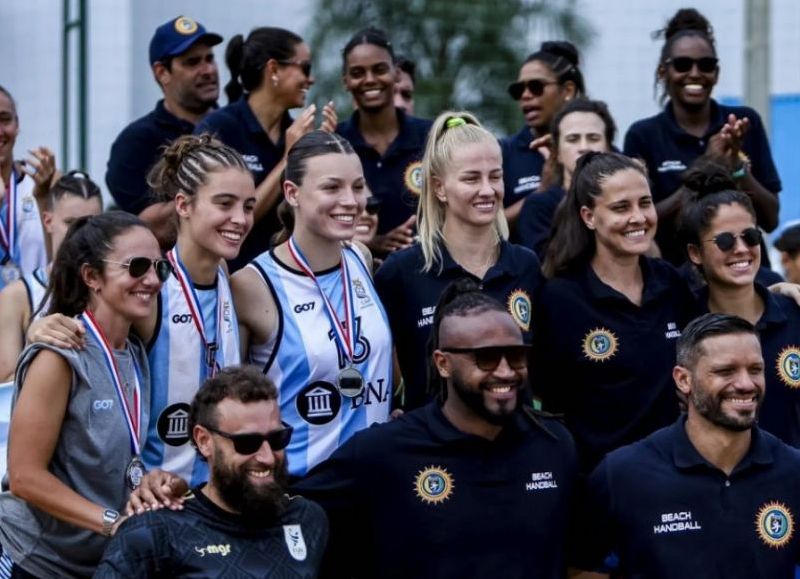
<point x="789" y="241"/>
<point x="177" y="36"/>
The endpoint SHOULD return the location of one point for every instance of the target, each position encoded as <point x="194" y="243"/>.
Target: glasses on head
<point x="685" y="63"/>
<point x="250" y="442"/>
<point x="488" y="358"/>
<point x="535" y="86"/>
<point x="373" y="205"/>
<point x="303" y="65"/>
<point x="138" y="266"/>
<point x="727" y="240"/>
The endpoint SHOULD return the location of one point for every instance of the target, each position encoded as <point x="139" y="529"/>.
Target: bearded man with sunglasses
<point x="242" y="518"/>
<point x="472" y="485"/>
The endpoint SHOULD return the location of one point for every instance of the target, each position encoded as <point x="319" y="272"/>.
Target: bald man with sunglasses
<point x="243" y="518"/>
<point x="471" y="485"/>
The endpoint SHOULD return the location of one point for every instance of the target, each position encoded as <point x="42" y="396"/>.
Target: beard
<point x="710" y="407"/>
<point x="474" y="400"/>
<point x="261" y="504"/>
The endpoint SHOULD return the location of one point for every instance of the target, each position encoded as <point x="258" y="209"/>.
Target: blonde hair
<point x="450" y="130"/>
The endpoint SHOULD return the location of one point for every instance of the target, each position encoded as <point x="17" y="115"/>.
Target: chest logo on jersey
<point x="672" y="331"/>
<point x="775" y="524"/>
<point x="293" y="535"/>
<point x="434" y="485"/>
<point x="27" y="204"/>
<point x="361" y="292"/>
<point x="788" y="366"/>
<point x="600" y="345"/>
<point x="173" y="424"/>
<point x="413" y="177"/>
<point x="669" y="166"/>
<point x="306" y="307"/>
<point x="253" y="163"/>
<point x="318" y="403"/>
<point x="679" y="522"/>
<point x="222" y="550"/>
<point x="519" y="306"/>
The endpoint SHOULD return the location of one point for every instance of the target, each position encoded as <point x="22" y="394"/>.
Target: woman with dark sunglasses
<point x="547" y="79"/>
<point x="694" y="124"/>
<point x="270" y="74"/>
<point x="724" y="243"/>
<point x="80" y="416"/>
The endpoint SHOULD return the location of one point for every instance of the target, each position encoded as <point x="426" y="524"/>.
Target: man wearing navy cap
<point x="183" y="65"/>
<point x="712" y="495"/>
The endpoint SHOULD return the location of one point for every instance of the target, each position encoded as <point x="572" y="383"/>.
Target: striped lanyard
<point x="132" y="418"/>
<point x="8" y="229"/>
<point x="210" y="347"/>
<point x="344" y="332"/>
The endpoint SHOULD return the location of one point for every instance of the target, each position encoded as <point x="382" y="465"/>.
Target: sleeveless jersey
<point x="303" y="358"/>
<point x="178" y="368"/>
<point x="30" y="251"/>
<point x="36" y="287"/>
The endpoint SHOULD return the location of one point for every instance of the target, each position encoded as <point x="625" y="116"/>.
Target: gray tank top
<point x="91" y="457"/>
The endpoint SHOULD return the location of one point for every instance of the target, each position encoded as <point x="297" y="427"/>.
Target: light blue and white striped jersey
<point x="303" y="358"/>
<point x="178" y="368"/>
<point x="36" y="287"/>
<point x="29" y="251"/>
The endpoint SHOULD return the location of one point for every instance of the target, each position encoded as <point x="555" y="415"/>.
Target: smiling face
<point x="580" y="132"/>
<point x="220" y="215"/>
<point x="623" y="217"/>
<point x="540" y="110"/>
<point x="9" y="129"/>
<point x="691" y="89"/>
<point x="472" y="187"/>
<point x="331" y="197"/>
<point x="292" y="83"/>
<point x="370" y="76"/>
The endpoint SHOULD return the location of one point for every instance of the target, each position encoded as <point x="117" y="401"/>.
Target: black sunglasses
<point x="138" y="266"/>
<point x="250" y="442"/>
<point x="535" y="87"/>
<point x="727" y="240"/>
<point x="685" y="63"/>
<point x="373" y="205"/>
<point x="488" y="358"/>
<point x="304" y="65"/>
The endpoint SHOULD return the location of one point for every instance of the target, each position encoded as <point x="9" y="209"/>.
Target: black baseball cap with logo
<point x="177" y="36"/>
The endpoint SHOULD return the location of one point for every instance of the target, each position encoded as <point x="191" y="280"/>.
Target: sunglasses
<point x="685" y="63"/>
<point x="535" y="87"/>
<point x="138" y="266"/>
<point x="727" y="240"/>
<point x="250" y="442"/>
<point x="304" y="65"/>
<point x="488" y="358"/>
<point x="373" y="205"/>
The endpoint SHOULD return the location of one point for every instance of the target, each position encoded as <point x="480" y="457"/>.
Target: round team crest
<point x="434" y="484"/>
<point x="600" y="344"/>
<point x="413" y="177"/>
<point x="788" y="366"/>
<point x="774" y="524"/>
<point x="519" y="305"/>
<point x="185" y="25"/>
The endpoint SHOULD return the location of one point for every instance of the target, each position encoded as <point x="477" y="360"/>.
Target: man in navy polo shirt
<point x="712" y="495"/>
<point x="474" y="486"/>
<point x="183" y="65"/>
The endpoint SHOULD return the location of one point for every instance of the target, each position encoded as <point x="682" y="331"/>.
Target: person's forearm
<point x="513" y="211"/>
<point x="160" y="218"/>
<point x="765" y="202"/>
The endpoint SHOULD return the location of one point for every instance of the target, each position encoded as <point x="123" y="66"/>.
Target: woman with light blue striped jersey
<point x="308" y="312"/>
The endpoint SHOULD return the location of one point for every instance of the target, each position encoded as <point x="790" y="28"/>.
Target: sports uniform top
<point x="35" y="287"/>
<point x="29" y="250"/>
<point x="303" y="358"/>
<point x="522" y="166"/>
<point x="203" y="540"/>
<point x="178" y="367"/>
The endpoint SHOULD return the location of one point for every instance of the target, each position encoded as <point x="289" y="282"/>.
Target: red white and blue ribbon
<point x="344" y="333"/>
<point x="133" y="416"/>
<point x="193" y="303"/>
<point x="8" y="229"/>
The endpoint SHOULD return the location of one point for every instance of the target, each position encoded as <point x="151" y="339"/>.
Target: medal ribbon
<point x="194" y="306"/>
<point x="8" y="230"/>
<point x="344" y="333"/>
<point x="132" y="419"/>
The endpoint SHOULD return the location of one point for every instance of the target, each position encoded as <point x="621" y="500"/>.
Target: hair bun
<point x="706" y="177"/>
<point x="563" y="49"/>
<point x="686" y="19"/>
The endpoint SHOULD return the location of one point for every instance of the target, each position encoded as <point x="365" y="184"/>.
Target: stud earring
<point x="274" y="80"/>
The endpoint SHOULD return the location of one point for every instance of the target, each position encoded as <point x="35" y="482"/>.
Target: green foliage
<point x="466" y="51"/>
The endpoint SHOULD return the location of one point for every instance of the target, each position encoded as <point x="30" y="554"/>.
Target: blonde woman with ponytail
<point x="462" y="233"/>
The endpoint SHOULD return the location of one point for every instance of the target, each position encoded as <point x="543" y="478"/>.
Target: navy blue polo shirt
<point x="396" y="177"/>
<point x="237" y="126"/>
<point x="417" y="497"/>
<point x="536" y="219"/>
<point x="779" y="330"/>
<point x="605" y="362"/>
<point x="522" y="166"/>
<point x="668" y="151"/>
<point x="410" y="295"/>
<point x="135" y="150"/>
<point x="668" y="513"/>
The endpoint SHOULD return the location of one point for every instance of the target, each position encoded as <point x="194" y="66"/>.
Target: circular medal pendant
<point x="350" y="382"/>
<point x="9" y="272"/>
<point x="134" y="473"/>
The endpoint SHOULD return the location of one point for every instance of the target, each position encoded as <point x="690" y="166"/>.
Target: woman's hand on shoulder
<point x="57" y="330"/>
<point x="159" y="489"/>
<point x="787" y="289"/>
